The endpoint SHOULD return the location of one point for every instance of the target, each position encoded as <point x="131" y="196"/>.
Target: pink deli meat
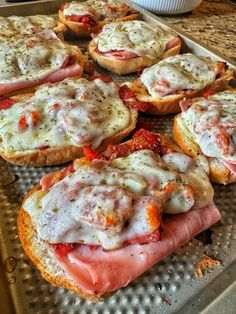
<point x="59" y="75"/>
<point x="126" y="55"/>
<point x="230" y="166"/>
<point x="97" y="271"/>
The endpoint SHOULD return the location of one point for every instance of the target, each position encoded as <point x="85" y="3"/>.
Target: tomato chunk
<point x="6" y="103"/>
<point x="91" y="154"/>
<point x="126" y="93"/>
<point x="43" y="147"/>
<point x="142" y="139"/>
<point x="223" y="140"/>
<point x="62" y="249"/>
<point x="35" y="117"/>
<point x="89" y="21"/>
<point x="105" y="79"/>
<point x="207" y="94"/>
<point x="22" y="124"/>
<point x="129" y="99"/>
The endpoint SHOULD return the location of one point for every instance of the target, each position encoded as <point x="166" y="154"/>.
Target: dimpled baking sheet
<point x="172" y="286"/>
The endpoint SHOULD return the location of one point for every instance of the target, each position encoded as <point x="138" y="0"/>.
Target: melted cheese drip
<point x="180" y="72"/>
<point x="98" y="8"/>
<point x="134" y="36"/>
<point x="32" y="57"/>
<point x="77" y="112"/>
<point x="94" y="204"/>
<point x="212" y="123"/>
<point x="13" y="25"/>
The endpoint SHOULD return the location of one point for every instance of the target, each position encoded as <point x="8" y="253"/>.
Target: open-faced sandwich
<point x="13" y="25"/>
<point x="98" y="224"/>
<point x="207" y="126"/>
<point x="166" y="83"/>
<point x="126" y="47"/>
<point x="52" y="125"/>
<point x="84" y="18"/>
<point x="33" y="59"/>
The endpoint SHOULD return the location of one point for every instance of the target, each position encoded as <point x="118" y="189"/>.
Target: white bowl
<point x="168" y="6"/>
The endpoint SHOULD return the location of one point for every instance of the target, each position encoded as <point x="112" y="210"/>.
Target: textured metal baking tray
<point x="169" y="287"/>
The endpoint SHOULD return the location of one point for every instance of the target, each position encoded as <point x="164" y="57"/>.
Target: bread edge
<point x="171" y="105"/>
<point x="123" y="67"/>
<point x="219" y="173"/>
<point x="38" y="251"/>
<point x="60" y="155"/>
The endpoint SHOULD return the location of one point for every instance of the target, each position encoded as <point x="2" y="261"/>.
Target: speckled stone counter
<point x="214" y="23"/>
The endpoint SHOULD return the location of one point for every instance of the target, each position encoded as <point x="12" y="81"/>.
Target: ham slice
<point x="118" y="54"/>
<point x="173" y="43"/>
<point x="97" y="271"/>
<point x="51" y="178"/>
<point x="121" y="54"/>
<point x="230" y="166"/>
<point x="58" y="75"/>
<point x="185" y="104"/>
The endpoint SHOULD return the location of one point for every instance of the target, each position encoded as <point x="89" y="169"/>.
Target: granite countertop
<point x="213" y="23"/>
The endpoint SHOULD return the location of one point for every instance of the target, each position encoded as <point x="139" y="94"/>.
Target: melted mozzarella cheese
<point x="135" y="36"/>
<point x="31" y="58"/>
<point x="77" y="112"/>
<point x="107" y="204"/>
<point x="180" y="72"/>
<point x="13" y="25"/>
<point x="100" y="8"/>
<point x="212" y="123"/>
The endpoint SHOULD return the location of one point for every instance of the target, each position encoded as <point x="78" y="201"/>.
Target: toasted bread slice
<point x="79" y="30"/>
<point x="122" y="67"/>
<point x="170" y="104"/>
<point x="219" y="173"/>
<point x="43" y="255"/>
<point x="59" y="155"/>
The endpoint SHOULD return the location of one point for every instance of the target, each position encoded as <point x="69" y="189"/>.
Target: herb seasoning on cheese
<point x="109" y="203"/>
<point x="178" y="73"/>
<point x="33" y="58"/>
<point x="25" y="25"/>
<point x="136" y="37"/>
<point x="72" y="112"/>
<point x="101" y="9"/>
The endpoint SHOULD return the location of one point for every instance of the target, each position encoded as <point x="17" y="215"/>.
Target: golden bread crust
<point x="59" y="28"/>
<point x="122" y="67"/>
<point x="37" y="251"/>
<point x="171" y="104"/>
<point x="219" y="173"/>
<point x="80" y="31"/>
<point x="60" y="155"/>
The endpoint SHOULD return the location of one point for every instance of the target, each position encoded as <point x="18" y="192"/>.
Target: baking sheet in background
<point x="168" y="287"/>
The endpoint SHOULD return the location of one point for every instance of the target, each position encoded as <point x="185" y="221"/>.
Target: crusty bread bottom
<point x="122" y="67"/>
<point x="60" y="155"/>
<point x="79" y="30"/>
<point x="43" y="257"/>
<point x="171" y="104"/>
<point x="219" y="173"/>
